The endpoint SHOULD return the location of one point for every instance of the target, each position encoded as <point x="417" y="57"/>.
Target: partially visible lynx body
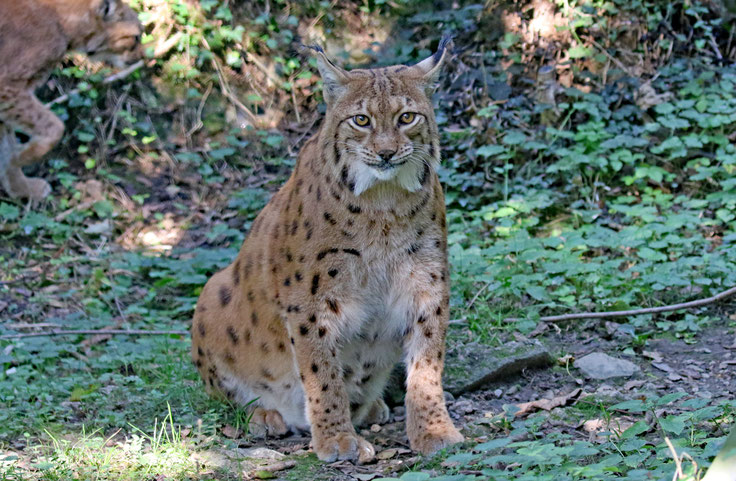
<point x="343" y="271"/>
<point x="34" y="36"/>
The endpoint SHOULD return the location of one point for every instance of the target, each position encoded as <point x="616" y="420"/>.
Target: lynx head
<point x="107" y="30"/>
<point x="381" y="122"/>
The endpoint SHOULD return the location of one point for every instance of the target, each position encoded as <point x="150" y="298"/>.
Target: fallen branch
<point x="633" y="312"/>
<point x="95" y="332"/>
<point x="510" y="366"/>
<point x="107" y="80"/>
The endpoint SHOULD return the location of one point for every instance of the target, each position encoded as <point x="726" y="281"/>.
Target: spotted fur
<point x="34" y="36"/>
<point x="346" y="266"/>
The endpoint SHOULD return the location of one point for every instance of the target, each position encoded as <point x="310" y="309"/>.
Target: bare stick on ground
<point x="634" y="312"/>
<point x="94" y="332"/>
<point x="107" y="80"/>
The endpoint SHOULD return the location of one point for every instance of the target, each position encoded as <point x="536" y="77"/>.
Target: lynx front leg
<point x="328" y="408"/>
<point x="427" y="423"/>
<point x="23" y="111"/>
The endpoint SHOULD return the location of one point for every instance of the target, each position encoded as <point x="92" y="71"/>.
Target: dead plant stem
<point x="634" y="312"/>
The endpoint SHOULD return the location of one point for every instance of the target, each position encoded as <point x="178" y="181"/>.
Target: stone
<point x="259" y="453"/>
<point x="598" y="365"/>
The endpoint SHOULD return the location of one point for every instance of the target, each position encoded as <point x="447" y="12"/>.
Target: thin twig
<point x="633" y="312"/>
<point x="475" y="297"/>
<point x="107" y="80"/>
<point x="678" y="465"/>
<point x="95" y="332"/>
<point x="271" y="76"/>
<point x="611" y="58"/>
<point x="225" y="88"/>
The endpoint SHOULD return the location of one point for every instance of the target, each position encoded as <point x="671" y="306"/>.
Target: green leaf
<point x="489" y="150"/>
<point x="493" y="444"/>
<point x="8" y="212"/>
<point x="636" y="429"/>
<point x="219" y="154"/>
<point x="579" y="51"/>
<point x="672" y="424"/>
<point x="414" y="476"/>
<point x="537" y="292"/>
<point x="669" y="398"/>
<point x="633" y="406"/>
<point x="515" y="137"/>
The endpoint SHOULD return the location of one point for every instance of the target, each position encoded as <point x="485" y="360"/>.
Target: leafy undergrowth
<point x="609" y="187"/>
<point x="619" y="450"/>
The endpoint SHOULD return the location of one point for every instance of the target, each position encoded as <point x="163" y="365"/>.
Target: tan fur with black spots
<point x="343" y="274"/>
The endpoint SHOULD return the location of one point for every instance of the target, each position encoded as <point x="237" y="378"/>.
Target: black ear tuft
<point x="430" y="67"/>
<point x="445" y="42"/>
<point x="334" y="77"/>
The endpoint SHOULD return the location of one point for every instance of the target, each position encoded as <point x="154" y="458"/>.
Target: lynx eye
<point x="361" y="120"/>
<point x="107" y="8"/>
<point x="406" y="118"/>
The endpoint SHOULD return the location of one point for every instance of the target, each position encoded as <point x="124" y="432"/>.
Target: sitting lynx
<point x="343" y="270"/>
<point x="34" y="36"/>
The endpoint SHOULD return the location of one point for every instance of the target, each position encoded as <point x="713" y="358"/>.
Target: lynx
<point x="343" y="273"/>
<point x="34" y="36"/>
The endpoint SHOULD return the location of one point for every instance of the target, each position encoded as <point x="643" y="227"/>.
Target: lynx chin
<point x="343" y="274"/>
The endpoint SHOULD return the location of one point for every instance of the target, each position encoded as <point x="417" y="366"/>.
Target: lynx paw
<point x="266" y="422"/>
<point x="344" y="445"/>
<point x="435" y="437"/>
<point x="38" y="189"/>
<point x="379" y="413"/>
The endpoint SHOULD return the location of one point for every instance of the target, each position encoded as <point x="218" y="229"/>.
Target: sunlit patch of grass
<point x="141" y="455"/>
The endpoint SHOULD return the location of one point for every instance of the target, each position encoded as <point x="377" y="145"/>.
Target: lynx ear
<point x="335" y="78"/>
<point x="430" y="67"/>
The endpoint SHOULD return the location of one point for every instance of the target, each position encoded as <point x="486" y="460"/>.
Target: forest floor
<point x="610" y="185"/>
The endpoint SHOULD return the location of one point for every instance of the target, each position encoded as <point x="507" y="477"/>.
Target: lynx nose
<point x="386" y="154"/>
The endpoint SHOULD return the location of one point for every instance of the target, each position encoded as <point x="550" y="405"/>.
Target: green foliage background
<point x="600" y="201"/>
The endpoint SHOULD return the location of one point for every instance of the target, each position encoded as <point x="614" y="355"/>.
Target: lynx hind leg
<point x="12" y="179"/>
<point x="20" y="110"/>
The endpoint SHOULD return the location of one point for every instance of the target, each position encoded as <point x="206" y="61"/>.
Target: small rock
<point x="260" y="453"/>
<point x="598" y="365"/>
<point x="375" y="428"/>
<point x="633" y="385"/>
<point x="231" y="432"/>
<point x="513" y="390"/>
<point x="606" y="390"/>
<point x="662" y="366"/>
<point x="386" y="454"/>
<point x="463" y="406"/>
<point x="449" y="397"/>
<point x="498" y="393"/>
<point x="365" y="476"/>
<point x="653" y="355"/>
